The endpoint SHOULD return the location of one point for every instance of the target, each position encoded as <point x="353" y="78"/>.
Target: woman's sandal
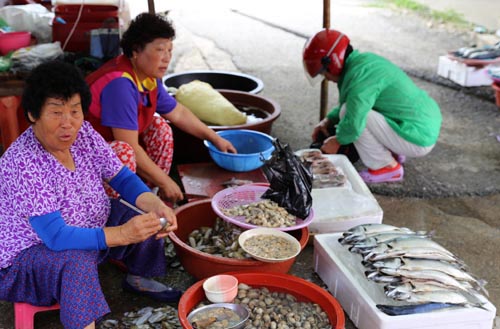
<point x="169" y="295"/>
<point x="383" y="175"/>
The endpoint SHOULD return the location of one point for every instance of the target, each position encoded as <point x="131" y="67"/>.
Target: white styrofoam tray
<point x="342" y="272"/>
<point x="337" y="209"/>
<point x="462" y="74"/>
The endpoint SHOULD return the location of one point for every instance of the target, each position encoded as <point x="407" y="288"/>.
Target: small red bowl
<point x="14" y="40"/>
<point x="303" y="290"/>
<point x="194" y="215"/>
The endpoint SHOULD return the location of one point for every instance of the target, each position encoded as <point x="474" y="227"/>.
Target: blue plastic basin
<point x="253" y="148"/>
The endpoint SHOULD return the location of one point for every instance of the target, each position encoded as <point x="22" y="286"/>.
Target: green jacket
<point x="369" y="81"/>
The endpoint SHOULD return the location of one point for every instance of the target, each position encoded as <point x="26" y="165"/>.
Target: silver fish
<point x="410" y="287"/>
<point x="442" y="296"/>
<point x="429" y="275"/>
<point x="384" y="252"/>
<point x="414" y="242"/>
<point x="365" y="245"/>
<point x="436" y="265"/>
<point x="381" y="278"/>
<point x="363" y="231"/>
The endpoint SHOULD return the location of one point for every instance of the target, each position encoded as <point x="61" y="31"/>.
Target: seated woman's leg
<point x="146" y="258"/>
<point x="143" y="260"/>
<point x="159" y="143"/>
<point x="126" y="154"/>
<point x="43" y="277"/>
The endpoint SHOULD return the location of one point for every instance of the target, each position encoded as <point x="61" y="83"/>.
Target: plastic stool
<point x="24" y="314"/>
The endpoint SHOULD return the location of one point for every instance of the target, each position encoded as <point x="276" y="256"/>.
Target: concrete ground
<point x="454" y="191"/>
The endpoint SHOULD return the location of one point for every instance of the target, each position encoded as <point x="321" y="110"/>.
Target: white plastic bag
<point x="34" y="18"/>
<point x="26" y="59"/>
<point x="209" y="105"/>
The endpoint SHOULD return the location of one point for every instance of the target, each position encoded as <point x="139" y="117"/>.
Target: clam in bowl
<point x="269" y="244"/>
<point x="220" y="315"/>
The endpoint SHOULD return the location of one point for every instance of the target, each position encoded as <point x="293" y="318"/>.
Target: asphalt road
<point x="453" y="191"/>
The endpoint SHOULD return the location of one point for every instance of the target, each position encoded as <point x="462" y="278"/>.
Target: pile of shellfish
<point x="219" y="240"/>
<point x="278" y="310"/>
<point x="265" y="213"/>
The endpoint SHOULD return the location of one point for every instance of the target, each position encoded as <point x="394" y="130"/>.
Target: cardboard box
<point x="342" y="272"/>
<point x="337" y="209"/>
<point x="462" y="74"/>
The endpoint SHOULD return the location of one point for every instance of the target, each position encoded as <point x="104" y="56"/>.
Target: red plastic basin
<point x="303" y="290"/>
<point x="199" y="264"/>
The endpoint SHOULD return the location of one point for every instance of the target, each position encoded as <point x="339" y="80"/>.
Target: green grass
<point x="446" y="17"/>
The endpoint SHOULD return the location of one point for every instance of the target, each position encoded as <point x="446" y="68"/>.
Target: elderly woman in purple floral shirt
<point x="56" y="221"/>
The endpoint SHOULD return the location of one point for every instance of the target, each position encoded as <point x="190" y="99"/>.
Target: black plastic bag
<point x="290" y="181"/>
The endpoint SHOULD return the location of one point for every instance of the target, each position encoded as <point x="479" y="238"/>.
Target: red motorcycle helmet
<point x="325" y="51"/>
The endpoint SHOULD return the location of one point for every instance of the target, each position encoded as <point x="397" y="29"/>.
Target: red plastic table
<point x="206" y="178"/>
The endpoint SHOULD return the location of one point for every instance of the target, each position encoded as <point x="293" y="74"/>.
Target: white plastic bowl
<point x="221" y="288"/>
<point x="293" y="246"/>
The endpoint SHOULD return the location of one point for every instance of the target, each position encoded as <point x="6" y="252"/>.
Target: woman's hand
<point x="330" y="145"/>
<point x="169" y="190"/>
<point x="224" y="145"/>
<point x="321" y="127"/>
<point x="150" y="202"/>
<point x="166" y="212"/>
<point x="140" y="228"/>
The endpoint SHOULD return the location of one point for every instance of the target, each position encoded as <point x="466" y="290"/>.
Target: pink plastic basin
<point x="14" y="40"/>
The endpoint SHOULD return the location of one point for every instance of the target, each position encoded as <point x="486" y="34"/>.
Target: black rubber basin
<point x="218" y="80"/>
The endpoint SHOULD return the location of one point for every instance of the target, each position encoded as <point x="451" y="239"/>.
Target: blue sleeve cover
<point x="58" y="236"/>
<point x="128" y="184"/>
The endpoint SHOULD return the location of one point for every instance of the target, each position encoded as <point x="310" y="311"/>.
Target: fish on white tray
<point x="363" y="231"/>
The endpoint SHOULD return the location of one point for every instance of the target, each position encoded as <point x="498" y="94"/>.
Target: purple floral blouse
<point x="34" y="183"/>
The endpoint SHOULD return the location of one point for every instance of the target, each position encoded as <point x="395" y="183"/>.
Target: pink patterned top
<point x="34" y="183"/>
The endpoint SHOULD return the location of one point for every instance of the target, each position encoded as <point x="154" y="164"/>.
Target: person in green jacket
<point x="381" y="111"/>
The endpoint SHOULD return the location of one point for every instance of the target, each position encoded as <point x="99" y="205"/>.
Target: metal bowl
<point x="218" y="80"/>
<point x="240" y="310"/>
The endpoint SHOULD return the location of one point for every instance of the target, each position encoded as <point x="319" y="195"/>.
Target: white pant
<point x="378" y="141"/>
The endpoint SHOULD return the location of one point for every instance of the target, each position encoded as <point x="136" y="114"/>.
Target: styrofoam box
<point x="342" y="272"/>
<point x="337" y="209"/>
<point x="464" y="75"/>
